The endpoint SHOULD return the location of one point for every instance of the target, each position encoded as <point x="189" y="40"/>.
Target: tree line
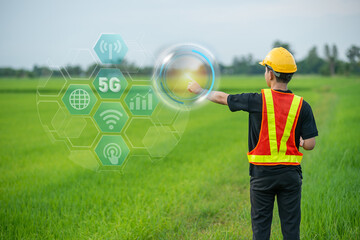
<point x="313" y="63"/>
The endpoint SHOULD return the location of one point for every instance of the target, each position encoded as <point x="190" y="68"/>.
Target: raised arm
<point x="214" y="96"/>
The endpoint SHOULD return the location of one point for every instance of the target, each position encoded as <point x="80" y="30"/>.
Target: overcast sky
<point x="34" y="31"/>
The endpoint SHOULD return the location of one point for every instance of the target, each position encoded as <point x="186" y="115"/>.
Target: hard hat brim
<point x="262" y="63"/>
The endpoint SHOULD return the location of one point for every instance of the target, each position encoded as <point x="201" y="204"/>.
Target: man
<point x="279" y="122"/>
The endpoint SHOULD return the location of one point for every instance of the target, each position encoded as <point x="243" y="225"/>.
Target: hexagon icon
<point x="141" y="100"/>
<point x="75" y="126"/>
<point x="110" y="48"/>
<point x="87" y="136"/>
<point x="80" y="55"/>
<point x="112" y="150"/>
<point x="136" y="130"/>
<point x="159" y="141"/>
<point x="138" y="52"/>
<point x="164" y="114"/>
<point x="51" y="86"/>
<point x="110" y="83"/>
<point x="84" y="158"/>
<point x="79" y="99"/>
<point x="111" y="117"/>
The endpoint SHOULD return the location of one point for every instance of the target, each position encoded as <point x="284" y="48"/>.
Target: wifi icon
<point x="111" y="117"/>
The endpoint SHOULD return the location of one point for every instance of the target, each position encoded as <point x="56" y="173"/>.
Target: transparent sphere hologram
<point x="179" y="65"/>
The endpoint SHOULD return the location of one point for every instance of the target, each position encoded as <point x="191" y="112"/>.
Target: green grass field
<point x="199" y="191"/>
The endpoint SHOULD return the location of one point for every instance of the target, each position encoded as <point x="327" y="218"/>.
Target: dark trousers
<point x="287" y="188"/>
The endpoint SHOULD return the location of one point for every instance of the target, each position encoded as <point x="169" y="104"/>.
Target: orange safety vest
<point x="276" y="145"/>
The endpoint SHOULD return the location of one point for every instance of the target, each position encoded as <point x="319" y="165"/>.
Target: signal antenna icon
<point x="110" y="47"/>
<point x="110" y="117"/>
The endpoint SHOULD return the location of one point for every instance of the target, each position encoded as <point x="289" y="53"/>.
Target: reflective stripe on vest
<point x="277" y="155"/>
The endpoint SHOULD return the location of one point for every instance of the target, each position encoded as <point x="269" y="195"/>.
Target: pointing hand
<point x="194" y="87"/>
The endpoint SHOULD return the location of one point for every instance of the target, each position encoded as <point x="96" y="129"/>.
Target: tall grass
<point x="199" y="191"/>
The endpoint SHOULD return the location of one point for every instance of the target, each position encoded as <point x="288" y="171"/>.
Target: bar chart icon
<point x="141" y="100"/>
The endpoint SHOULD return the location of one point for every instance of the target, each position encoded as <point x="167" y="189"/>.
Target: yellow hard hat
<point x="280" y="60"/>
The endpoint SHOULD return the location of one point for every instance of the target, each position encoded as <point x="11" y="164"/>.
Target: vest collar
<point x="287" y="91"/>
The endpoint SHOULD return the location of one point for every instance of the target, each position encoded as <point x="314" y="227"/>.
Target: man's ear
<point x="272" y="75"/>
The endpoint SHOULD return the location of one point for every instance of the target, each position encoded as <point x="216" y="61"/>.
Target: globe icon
<point x="79" y="99"/>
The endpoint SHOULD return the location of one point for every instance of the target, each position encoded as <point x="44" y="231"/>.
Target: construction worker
<point x="279" y="122"/>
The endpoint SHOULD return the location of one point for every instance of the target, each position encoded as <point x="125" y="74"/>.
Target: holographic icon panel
<point x="103" y="139"/>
